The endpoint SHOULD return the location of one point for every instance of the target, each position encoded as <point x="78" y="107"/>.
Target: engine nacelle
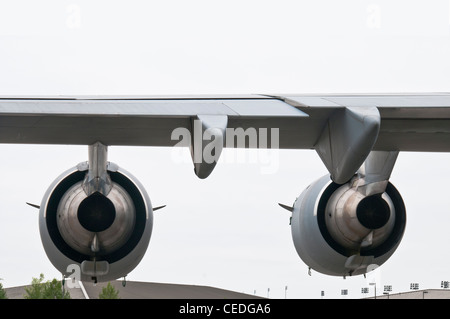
<point x="105" y="236"/>
<point x="339" y="231"/>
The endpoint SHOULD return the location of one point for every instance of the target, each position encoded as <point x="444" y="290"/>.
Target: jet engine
<point x="338" y="230"/>
<point x="106" y="236"/>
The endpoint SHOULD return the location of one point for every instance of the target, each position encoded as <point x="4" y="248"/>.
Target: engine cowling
<point x="339" y="231"/>
<point x="105" y="236"/>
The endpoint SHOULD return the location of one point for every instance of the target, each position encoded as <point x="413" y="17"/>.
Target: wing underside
<point x="409" y="122"/>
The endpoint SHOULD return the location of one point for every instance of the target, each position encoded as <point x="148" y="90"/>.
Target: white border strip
<point x="83" y="290"/>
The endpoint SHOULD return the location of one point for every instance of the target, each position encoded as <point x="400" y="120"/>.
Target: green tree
<point x="109" y="292"/>
<point x="35" y="290"/>
<point x="45" y="290"/>
<point x="2" y="292"/>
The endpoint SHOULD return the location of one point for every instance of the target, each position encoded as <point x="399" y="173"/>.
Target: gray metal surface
<point x="409" y="122"/>
<point x="97" y="178"/>
<point x="308" y="240"/>
<point x="143" y="122"/>
<point x="344" y="225"/>
<point x="346" y="140"/>
<point x="82" y="239"/>
<point x="118" y="268"/>
<point x="312" y="238"/>
<point x="374" y="174"/>
<point x="213" y="128"/>
<point x="148" y="108"/>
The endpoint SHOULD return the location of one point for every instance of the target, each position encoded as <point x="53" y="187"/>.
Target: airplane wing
<point x="419" y="122"/>
<point x="137" y="121"/>
<point x="409" y="122"/>
<point x="339" y="228"/>
<point x="336" y="126"/>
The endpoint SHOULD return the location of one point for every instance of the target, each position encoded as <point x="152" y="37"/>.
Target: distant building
<point x="417" y="294"/>
<point x="144" y="290"/>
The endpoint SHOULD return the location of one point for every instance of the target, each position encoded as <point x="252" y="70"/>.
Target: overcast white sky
<point x="226" y="231"/>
